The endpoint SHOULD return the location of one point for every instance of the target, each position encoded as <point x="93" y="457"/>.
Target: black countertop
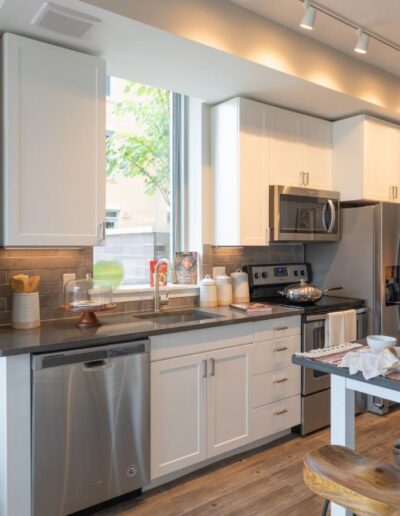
<point x="64" y="335"/>
<point x="311" y="363"/>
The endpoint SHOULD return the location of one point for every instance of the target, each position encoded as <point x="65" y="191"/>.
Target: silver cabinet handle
<point x="101" y="235"/>
<point x="283" y="348"/>
<point x="212" y="366"/>
<point x="395" y="192"/>
<point x="391" y="193"/>
<point x="301" y="178"/>
<point x="307" y="180"/>
<point x="281" y="328"/>
<point x="280" y="412"/>
<point x="281" y="380"/>
<point x="204" y="362"/>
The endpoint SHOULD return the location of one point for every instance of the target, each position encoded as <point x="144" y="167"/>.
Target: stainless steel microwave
<point x="303" y="214"/>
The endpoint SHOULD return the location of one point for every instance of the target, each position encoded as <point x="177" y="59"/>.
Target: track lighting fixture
<point x="308" y="19"/>
<point x="362" y="42"/>
<point x="363" y="35"/>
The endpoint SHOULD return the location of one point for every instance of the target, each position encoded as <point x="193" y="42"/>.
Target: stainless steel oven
<point x="303" y="214"/>
<point x="315" y="385"/>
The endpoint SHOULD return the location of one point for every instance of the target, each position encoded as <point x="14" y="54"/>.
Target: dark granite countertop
<point x="380" y="381"/>
<point x="63" y="334"/>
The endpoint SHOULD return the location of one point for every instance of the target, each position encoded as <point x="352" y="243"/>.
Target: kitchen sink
<point x="179" y="316"/>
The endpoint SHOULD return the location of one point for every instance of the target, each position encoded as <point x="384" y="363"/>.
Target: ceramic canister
<point x="208" y="292"/>
<point x="240" y="283"/>
<point x="25" y="310"/>
<point x="224" y="290"/>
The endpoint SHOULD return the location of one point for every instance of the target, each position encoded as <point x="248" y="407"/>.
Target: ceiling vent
<point x="63" y="20"/>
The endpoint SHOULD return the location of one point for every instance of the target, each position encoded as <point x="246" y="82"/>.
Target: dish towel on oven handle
<point x="340" y="327"/>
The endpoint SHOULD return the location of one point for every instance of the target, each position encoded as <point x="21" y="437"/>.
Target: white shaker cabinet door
<point x="178" y="413"/>
<point x="54" y="145"/>
<point x="286" y="156"/>
<point x="229" y="399"/>
<point x="317" y="148"/>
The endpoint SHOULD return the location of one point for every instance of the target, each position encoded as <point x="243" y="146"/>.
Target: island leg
<point x="342" y="423"/>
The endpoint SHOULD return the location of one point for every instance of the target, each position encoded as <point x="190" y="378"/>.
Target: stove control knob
<point x="296" y="273"/>
<point x="256" y="275"/>
<point x="264" y="274"/>
<point x="302" y="273"/>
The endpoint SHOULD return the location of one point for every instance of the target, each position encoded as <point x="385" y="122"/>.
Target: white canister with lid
<point x="224" y="289"/>
<point x="240" y="283"/>
<point x="208" y="292"/>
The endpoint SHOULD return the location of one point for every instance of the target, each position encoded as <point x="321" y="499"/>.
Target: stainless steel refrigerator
<point x="366" y="262"/>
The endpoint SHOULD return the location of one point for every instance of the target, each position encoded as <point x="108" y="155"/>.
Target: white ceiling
<point x="144" y="53"/>
<point x="380" y="16"/>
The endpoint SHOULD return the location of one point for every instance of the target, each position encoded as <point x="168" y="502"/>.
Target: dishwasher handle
<point x="100" y="355"/>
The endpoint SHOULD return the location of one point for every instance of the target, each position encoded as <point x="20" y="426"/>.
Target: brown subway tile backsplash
<point x="235" y="258"/>
<point x="50" y="265"/>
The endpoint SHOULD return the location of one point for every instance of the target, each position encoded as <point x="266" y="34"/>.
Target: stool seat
<point x="353" y="481"/>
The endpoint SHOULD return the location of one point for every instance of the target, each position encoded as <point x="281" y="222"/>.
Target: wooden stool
<point x="353" y="481"/>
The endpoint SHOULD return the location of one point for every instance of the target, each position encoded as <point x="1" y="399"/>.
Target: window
<point x="138" y="177"/>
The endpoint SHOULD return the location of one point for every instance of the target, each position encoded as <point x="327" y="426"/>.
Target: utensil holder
<point x="25" y="310"/>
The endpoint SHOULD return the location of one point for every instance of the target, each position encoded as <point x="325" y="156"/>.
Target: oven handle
<point x="322" y="317"/>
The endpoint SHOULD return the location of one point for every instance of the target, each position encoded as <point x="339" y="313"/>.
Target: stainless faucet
<point x="157" y="299"/>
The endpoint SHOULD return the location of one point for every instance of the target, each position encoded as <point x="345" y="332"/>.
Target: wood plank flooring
<point x="267" y="481"/>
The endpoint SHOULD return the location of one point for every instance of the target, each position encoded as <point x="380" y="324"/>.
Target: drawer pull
<point x="281" y="380"/>
<point x="280" y="412"/>
<point x="281" y="328"/>
<point x="284" y="348"/>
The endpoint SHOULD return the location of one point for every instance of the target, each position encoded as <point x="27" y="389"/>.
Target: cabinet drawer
<point x="200" y="341"/>
<point x="277" y="328"/>
<point x="270" y="355"/>
<point x="276" y="385"/>
<point x="275" y="417"/>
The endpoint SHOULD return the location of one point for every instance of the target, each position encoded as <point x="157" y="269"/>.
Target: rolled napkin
<point x="370" y="363"/>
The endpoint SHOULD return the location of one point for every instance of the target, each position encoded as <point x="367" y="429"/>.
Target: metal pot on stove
<point x="305" y="293"/>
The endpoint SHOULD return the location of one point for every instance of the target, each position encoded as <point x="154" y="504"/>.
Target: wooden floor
<point x="267" y="481"/>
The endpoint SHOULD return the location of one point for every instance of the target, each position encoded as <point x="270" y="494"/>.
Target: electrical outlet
<point x="68" y="277"/>
<point x="217" y="271"/>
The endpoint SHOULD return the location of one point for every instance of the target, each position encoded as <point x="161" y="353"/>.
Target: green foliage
<point x="145" y="150"/>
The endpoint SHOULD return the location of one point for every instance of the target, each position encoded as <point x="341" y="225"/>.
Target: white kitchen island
<point x="343" y="387"/>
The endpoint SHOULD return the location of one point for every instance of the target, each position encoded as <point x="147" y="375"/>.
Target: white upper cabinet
<point x="54" y="145"/>
<point x="255" y="146"/>
<point x="300" y="150"/>
<point x="239" y="156"/>
<point x="366" y="159"/>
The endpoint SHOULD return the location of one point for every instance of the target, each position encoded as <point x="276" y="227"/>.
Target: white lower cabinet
<point x="178" y="413"/>
<point x="229" y="399"/>
<point x="200" y="407"/>
<point x="230" y="389"/>
<point x="276" y="417"/>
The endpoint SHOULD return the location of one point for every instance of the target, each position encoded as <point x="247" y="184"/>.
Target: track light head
<point x="362" y="42"/>
<point x="308" y="20"/>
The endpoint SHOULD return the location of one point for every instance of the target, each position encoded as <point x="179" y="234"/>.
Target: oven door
<point x="303" y="214"/>
<point x="313" y="337"/>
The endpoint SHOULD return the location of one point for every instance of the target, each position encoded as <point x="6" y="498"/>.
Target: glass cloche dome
<point x="88" y="296"/>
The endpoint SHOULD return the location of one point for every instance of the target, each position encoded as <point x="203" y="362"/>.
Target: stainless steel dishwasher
<point x="91" y="426"/>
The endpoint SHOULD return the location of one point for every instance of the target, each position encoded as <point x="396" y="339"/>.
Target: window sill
<point x="142" y="292"/>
